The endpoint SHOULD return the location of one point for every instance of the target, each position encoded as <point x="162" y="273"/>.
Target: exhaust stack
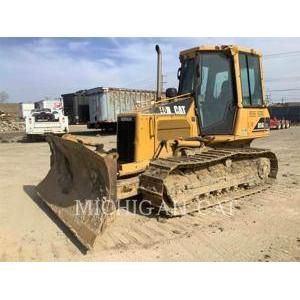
<point x="159" y="73"/>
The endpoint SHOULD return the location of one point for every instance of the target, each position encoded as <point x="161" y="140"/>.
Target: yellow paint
<point x="155" y="132"/>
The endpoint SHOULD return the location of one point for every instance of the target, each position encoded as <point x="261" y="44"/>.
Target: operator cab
<point x="212" y="75"/>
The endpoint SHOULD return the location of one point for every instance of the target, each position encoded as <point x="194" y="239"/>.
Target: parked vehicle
<point x="43" y="121"/>
<point x="76" y="107"/>
<point x="25" y="109"/>
<point x="106" y="103"/>
<point x="279" y="123"/>
<point x="53" y="105"/>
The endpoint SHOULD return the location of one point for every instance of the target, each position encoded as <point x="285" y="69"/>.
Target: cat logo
<point x="177" y="110"/>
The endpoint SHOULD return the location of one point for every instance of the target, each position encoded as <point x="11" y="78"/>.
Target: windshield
<point x="186" y="83"/>
<point x="215" y="93"/>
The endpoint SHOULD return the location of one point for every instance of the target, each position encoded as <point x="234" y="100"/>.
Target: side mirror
<point x="171" y="92"/>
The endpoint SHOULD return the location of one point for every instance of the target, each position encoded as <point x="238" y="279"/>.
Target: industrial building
<point x="288" y="111"/>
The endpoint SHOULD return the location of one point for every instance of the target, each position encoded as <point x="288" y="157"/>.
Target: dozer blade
<point x="80" y="188"/>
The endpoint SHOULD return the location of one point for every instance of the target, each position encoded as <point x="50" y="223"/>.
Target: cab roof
<point x="233" y="48"/>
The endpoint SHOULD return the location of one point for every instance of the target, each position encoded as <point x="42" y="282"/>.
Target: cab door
<point x="215" y="93"/>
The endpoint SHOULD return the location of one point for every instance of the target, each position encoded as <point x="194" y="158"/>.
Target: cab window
<point x="251" y="80"/>
<point x="187" y="76"/>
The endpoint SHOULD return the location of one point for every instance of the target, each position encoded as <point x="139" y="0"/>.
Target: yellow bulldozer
<point x="188" y="151"/>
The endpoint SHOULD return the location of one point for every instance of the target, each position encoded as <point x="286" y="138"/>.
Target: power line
<point x="286" y="100"/>
<point x="285" y="90"/>
<point x="282" y="53"/>
<point x="283" y="78"/>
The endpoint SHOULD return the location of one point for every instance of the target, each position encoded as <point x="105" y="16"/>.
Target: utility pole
<point x="163" y="82"/>
<point x="268" y="98"/>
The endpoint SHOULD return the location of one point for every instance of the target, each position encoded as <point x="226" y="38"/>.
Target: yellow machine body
<point x="153" y="129"/>
<point x="200" y="135"/>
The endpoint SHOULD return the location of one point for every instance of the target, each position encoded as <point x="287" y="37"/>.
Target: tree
<point x="3" y="96"/>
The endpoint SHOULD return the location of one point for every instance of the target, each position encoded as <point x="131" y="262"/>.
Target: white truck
<point x="54" y="104"/>
<point x="25" y="109"/>
<point x="43" y="121"/>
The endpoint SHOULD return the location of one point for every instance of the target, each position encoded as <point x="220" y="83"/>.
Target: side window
<point x="244" y="80"/>
<point x="255" y="80"/>
<point x="187" y="76"/>
<point x="250" y="80"/>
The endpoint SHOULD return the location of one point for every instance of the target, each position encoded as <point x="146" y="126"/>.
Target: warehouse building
<point x="288" y="111"/>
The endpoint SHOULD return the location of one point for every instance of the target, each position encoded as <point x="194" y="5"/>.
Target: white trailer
<point x="41" y="122"/>
<point x="106" y="103"/>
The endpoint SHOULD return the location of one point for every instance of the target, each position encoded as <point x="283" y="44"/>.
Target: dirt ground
<point x="261" y="227"/>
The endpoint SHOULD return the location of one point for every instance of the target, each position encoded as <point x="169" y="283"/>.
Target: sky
<point x="34" y="68"/>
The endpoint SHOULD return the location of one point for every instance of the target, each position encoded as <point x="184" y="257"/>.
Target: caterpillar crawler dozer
<point x="186" y="152"/>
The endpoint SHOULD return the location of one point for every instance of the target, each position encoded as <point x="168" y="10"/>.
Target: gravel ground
<point x="262" y="227"/>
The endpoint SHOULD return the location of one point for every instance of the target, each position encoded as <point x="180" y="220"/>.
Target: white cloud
<point x="46" y="67"/>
